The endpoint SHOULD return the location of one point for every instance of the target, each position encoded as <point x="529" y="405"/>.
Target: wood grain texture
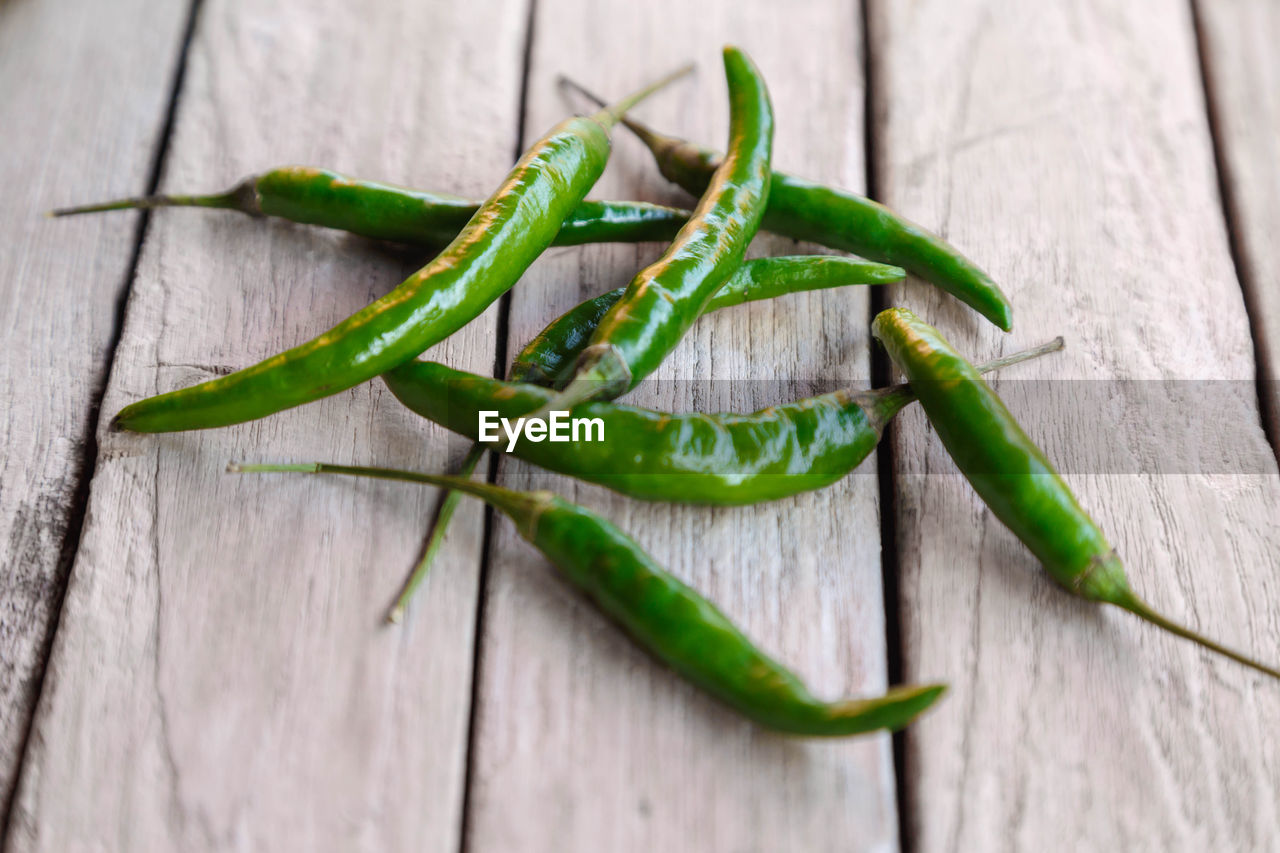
<point x="221" y="678"/>
<point x="1066" y="147"/>
<point x="581" y="741"/>
<point x="85" y="90"/>
<point x="1243" y="79"/>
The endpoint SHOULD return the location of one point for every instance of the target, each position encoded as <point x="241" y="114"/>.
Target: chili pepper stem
<point x="647" y="135"/>
<point x="885" y="403"/>
<point x="516" y="504"/>
<point x="448" y="505"/>
<point x="610" y="115"/>
<point x="1135" y="605"/>
<point x="671" y="620"/>
<point x="601" y="372"/>
<point x="583" y="387"/>
<point x="1055" y="345"/>
<point x="804" y="210"/>
<point x="281" y="468"/>
<point x="243" y="197"/>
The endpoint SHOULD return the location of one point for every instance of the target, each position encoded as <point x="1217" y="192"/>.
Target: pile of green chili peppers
<point x="605" y="346"/>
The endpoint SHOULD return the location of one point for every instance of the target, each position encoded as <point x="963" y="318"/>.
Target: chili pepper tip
<point x="932" y="692"/>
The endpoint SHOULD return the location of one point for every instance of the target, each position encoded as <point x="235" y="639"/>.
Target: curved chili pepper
<point x="839" y="219"/>
<point x="664" y="616"/>
<point x="401" y="215"/>
<point x="665" y="298"/>
<point x="1012" y="475"/>
<point x="725" y="459"/>
<point x="505" y="235"/>
<point x="547" y="358"/>
<point x="554" y="350"/>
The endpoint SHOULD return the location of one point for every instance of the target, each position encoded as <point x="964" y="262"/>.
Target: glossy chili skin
<point x="806" y="210"/>
<point x="665" y="298"/>
<point x="1007" y="470"/>
<point x="669" y="619"/>
<point x="1013" y="476"/>
<point x="552" y="354"/>
<point x="548" y="358"/>
<point x="682" y="629"/>
<point x="725" y="459"/>
<point x="403" y="215"/>
<point x="484" y="260"/>
<point x="380" y="211"/>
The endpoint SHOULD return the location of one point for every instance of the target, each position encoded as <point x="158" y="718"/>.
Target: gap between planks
<point x="1268" y="384"/>
<point x="487" y="539"/>
<point x="89" y="439"/>
<point x="886" y="458"/>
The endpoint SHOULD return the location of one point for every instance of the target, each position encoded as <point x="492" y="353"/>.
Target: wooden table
<point x="194" y="661"/>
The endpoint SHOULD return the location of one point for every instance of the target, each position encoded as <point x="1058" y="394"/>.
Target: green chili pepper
<point x="1012" y="475"/>
<point x="547" y="359"/>
<point x="724" y="459"/>
<point x="398" y="214"/>
<point x="665" y="617"/>
<point x="665" y="298"/>
<point x="555" y="348"/>
<point x="839" y="219"/>
<point x="773" y="441"/>
<point x="505" y="235"/>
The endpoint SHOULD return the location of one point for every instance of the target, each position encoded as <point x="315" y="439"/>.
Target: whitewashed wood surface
<point x="83" y="97"/>
<point x="1072" y="154"/>
<point x="582" y="742"/>
<point x="220" y="677"/>
<point x="1243" y="88"/>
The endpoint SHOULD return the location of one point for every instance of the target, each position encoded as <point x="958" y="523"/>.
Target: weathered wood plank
<point x="1066" y="147"/>
<point x="583" y="743"/>
<point x="85" y="95"/>
<point x="222" y="677"/>
<point x="1238" y="40"/>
